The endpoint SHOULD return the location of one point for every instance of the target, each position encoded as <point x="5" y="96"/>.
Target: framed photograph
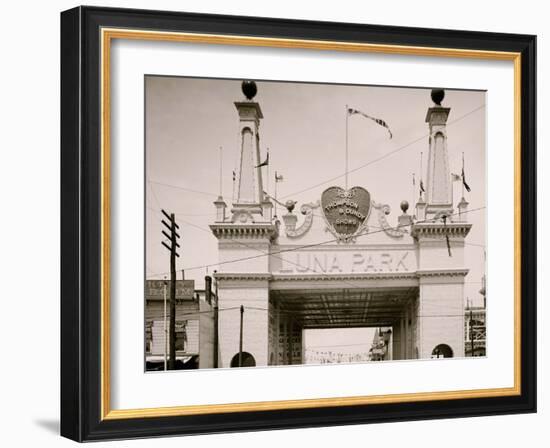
<point x="273" y="224"/>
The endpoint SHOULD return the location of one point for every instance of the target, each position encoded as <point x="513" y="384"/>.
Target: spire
<point x="250" y="200"/>
<point x="439" y="192"/>
<point x="249" y="175"/>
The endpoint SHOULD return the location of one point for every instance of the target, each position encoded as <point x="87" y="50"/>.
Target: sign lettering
<point x="367" y="261"/>
<point x="345" y="210"/>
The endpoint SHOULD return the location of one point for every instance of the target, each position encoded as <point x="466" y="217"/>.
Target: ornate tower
<point x="439" y="191"/>
<point x="440" y="239"/>
<point x="251" y="199"/>
<point x="244" y="244"/>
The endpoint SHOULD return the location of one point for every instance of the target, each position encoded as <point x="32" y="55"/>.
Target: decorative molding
<point x="442" y="272"/>
<point x="346" y="194"/>
<point x="248" y="231"/>
<point x="383" y="211"/>
<point x="349" y="276"/>
<point x="436" y="230"/>
<point x="240" y="276"/>
<point x="243" y="280"/>
<point x="412" y="275"/>
<point x="307" y="210"/>
<point x="233" y="276"/>
<point x="241" y="216"/>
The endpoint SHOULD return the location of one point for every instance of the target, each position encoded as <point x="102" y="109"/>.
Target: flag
<point x="455" y="177"/>
<point x="265" y="162"/>
<point x="376" y="120"/>
<point x="278" y="177"/>
<point x="464" y="181"/>
<point x="422" y="186"/>
<point x="234" y="176"/>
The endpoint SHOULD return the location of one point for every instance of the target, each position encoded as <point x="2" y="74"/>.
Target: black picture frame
<point x="81" y="224"/>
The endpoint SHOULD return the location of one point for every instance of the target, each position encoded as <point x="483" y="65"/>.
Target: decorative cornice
<point x="248" y="231"/>
<point x="442" y="272"/>
<point x="434" y="230"/>
<point x="351" y="276"/>
<point x="437" y="115"/>
<point x="242" y="276"/>
<point x="239" y="276"/>
<point x="249" y="109"/>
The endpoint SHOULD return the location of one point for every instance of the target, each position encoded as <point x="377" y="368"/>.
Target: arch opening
<point x="247" y="360"/>
<point x="442" y="351"/>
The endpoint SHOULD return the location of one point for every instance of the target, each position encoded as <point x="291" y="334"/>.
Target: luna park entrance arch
<point x="338" y="262"/>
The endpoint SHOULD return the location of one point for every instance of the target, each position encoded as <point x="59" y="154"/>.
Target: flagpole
<point x="221" y="170"/>
<point x="267" y="186"/>
<point x="421" y="173"/>
<point x="234" y="177"/>
<point x="414" y="191"/>
<point x="275" y="194"/>
<point x="462" y="175"/>
<point x="347" y="154"/>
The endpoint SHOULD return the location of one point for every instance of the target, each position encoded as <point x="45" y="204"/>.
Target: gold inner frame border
<point x="107" y="35"/>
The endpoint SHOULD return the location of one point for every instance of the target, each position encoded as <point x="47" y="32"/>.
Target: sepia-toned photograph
<point x="292" y="223"/>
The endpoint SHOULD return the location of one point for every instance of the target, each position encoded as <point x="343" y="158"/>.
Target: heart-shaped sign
<point x="346" y="211"/>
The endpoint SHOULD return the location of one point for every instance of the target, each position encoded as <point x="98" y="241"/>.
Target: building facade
<point x="475" y="329"/>
<point x="195" y="325"/>
<point x="337" y="261"/>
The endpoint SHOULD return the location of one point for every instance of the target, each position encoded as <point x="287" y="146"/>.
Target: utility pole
<point x="241" y="339"/>
<point x="165" y="329"/>
<point x="172" y="237"/>
<point x="216" y="318"/>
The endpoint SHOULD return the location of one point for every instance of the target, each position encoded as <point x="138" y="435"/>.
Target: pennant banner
<point x="376" y="120"/>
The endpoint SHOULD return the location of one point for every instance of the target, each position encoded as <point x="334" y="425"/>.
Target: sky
<point x="188" y="120"/>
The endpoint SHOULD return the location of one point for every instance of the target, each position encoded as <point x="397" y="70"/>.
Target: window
<point x="181" y="335"/>
<point x="148" y="336"/>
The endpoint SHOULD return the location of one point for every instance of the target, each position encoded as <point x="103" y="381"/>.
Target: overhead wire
<point x="308" y="246"/>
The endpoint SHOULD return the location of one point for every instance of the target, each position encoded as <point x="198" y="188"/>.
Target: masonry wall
<point x="440" y="312"/>
<point x="254" y="296"/>
<point x="206" y="336"/>
<point x="186" y="311"/>
<point x="441" y="315"/>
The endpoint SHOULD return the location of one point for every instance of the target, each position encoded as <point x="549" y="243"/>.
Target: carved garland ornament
<point x="383" y="211"/>
<point x="307" y="210"/>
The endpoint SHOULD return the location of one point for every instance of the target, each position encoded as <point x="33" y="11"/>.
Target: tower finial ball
<point x="404" y="206"/>
<point x="249" y="89"/>
<point x="437" y="96"/>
